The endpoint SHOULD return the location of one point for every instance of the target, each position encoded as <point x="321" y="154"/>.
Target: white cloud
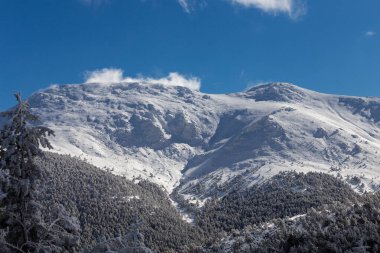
<point x="294" y="8"/>
<point x="112" y="75"/>
<point x="370" y="33"/>
<point x="267" y="5"/>
<point x="106" y="75"/>
<point x="176" y="79"/>
<point x="185" y="5"/>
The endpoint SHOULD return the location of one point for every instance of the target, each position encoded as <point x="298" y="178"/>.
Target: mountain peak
<point x="277" y="91"/>
<point x="174" y="135"/>
<point x="278" y="85"/>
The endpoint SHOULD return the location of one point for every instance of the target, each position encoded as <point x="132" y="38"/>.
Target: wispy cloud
<point x="267" y="5"/>
<point x="370" y="33"/>
<point x="256" y="83"/>
<point x="293" y="8"/>
<point x="93" y="3"/>
<point x="185" y="5"/>
<point x="189" y="6"/>
<point x="112" y="75"/>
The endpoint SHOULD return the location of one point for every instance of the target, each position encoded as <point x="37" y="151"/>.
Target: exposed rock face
<point x="368" y="108"/>
<point x="320" y="133"/>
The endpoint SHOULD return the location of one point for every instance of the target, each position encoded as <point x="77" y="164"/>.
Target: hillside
<point x="106" y="205"/>
<point x="338" y="227"/>
<point x="208" y="144"/>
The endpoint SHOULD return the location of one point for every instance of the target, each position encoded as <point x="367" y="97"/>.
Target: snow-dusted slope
<point x="209" y="144"/>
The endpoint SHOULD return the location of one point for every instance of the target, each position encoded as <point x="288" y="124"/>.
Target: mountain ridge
<point x="183" y="138"/>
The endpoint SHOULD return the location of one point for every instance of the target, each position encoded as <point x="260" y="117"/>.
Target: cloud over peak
<point x="112" y="75"/>
<point x="106" y="75"/>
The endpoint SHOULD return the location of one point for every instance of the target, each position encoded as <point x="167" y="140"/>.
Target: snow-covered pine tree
<point x="132" y="242"/>
<point x="21" y="218"/>
<point x="135" y="239"/>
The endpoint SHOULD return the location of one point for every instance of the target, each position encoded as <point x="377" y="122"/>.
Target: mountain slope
<point x="106" y="204"/>
<point x="338" y="227"/>
<point x="208" y="144"/>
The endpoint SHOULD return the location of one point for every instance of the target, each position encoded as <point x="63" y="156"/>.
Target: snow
<point x="186" y="216"/>
<point x="296" y="217"/>
<point x="175" y="136"/>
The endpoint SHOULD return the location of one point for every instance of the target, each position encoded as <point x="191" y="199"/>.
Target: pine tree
<point x="21" y="216"/>
<point x="132" y="242"/>
<point x="135" y="239"/>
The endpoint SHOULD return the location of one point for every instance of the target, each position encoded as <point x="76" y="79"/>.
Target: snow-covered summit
<point x="209" y="144"/>
<point x="280" y="92"/>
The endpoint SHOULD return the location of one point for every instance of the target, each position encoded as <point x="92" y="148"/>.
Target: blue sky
<point x="331" y="46"/>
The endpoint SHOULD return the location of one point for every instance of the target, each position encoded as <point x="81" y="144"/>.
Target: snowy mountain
<point x="208" y="144"/>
